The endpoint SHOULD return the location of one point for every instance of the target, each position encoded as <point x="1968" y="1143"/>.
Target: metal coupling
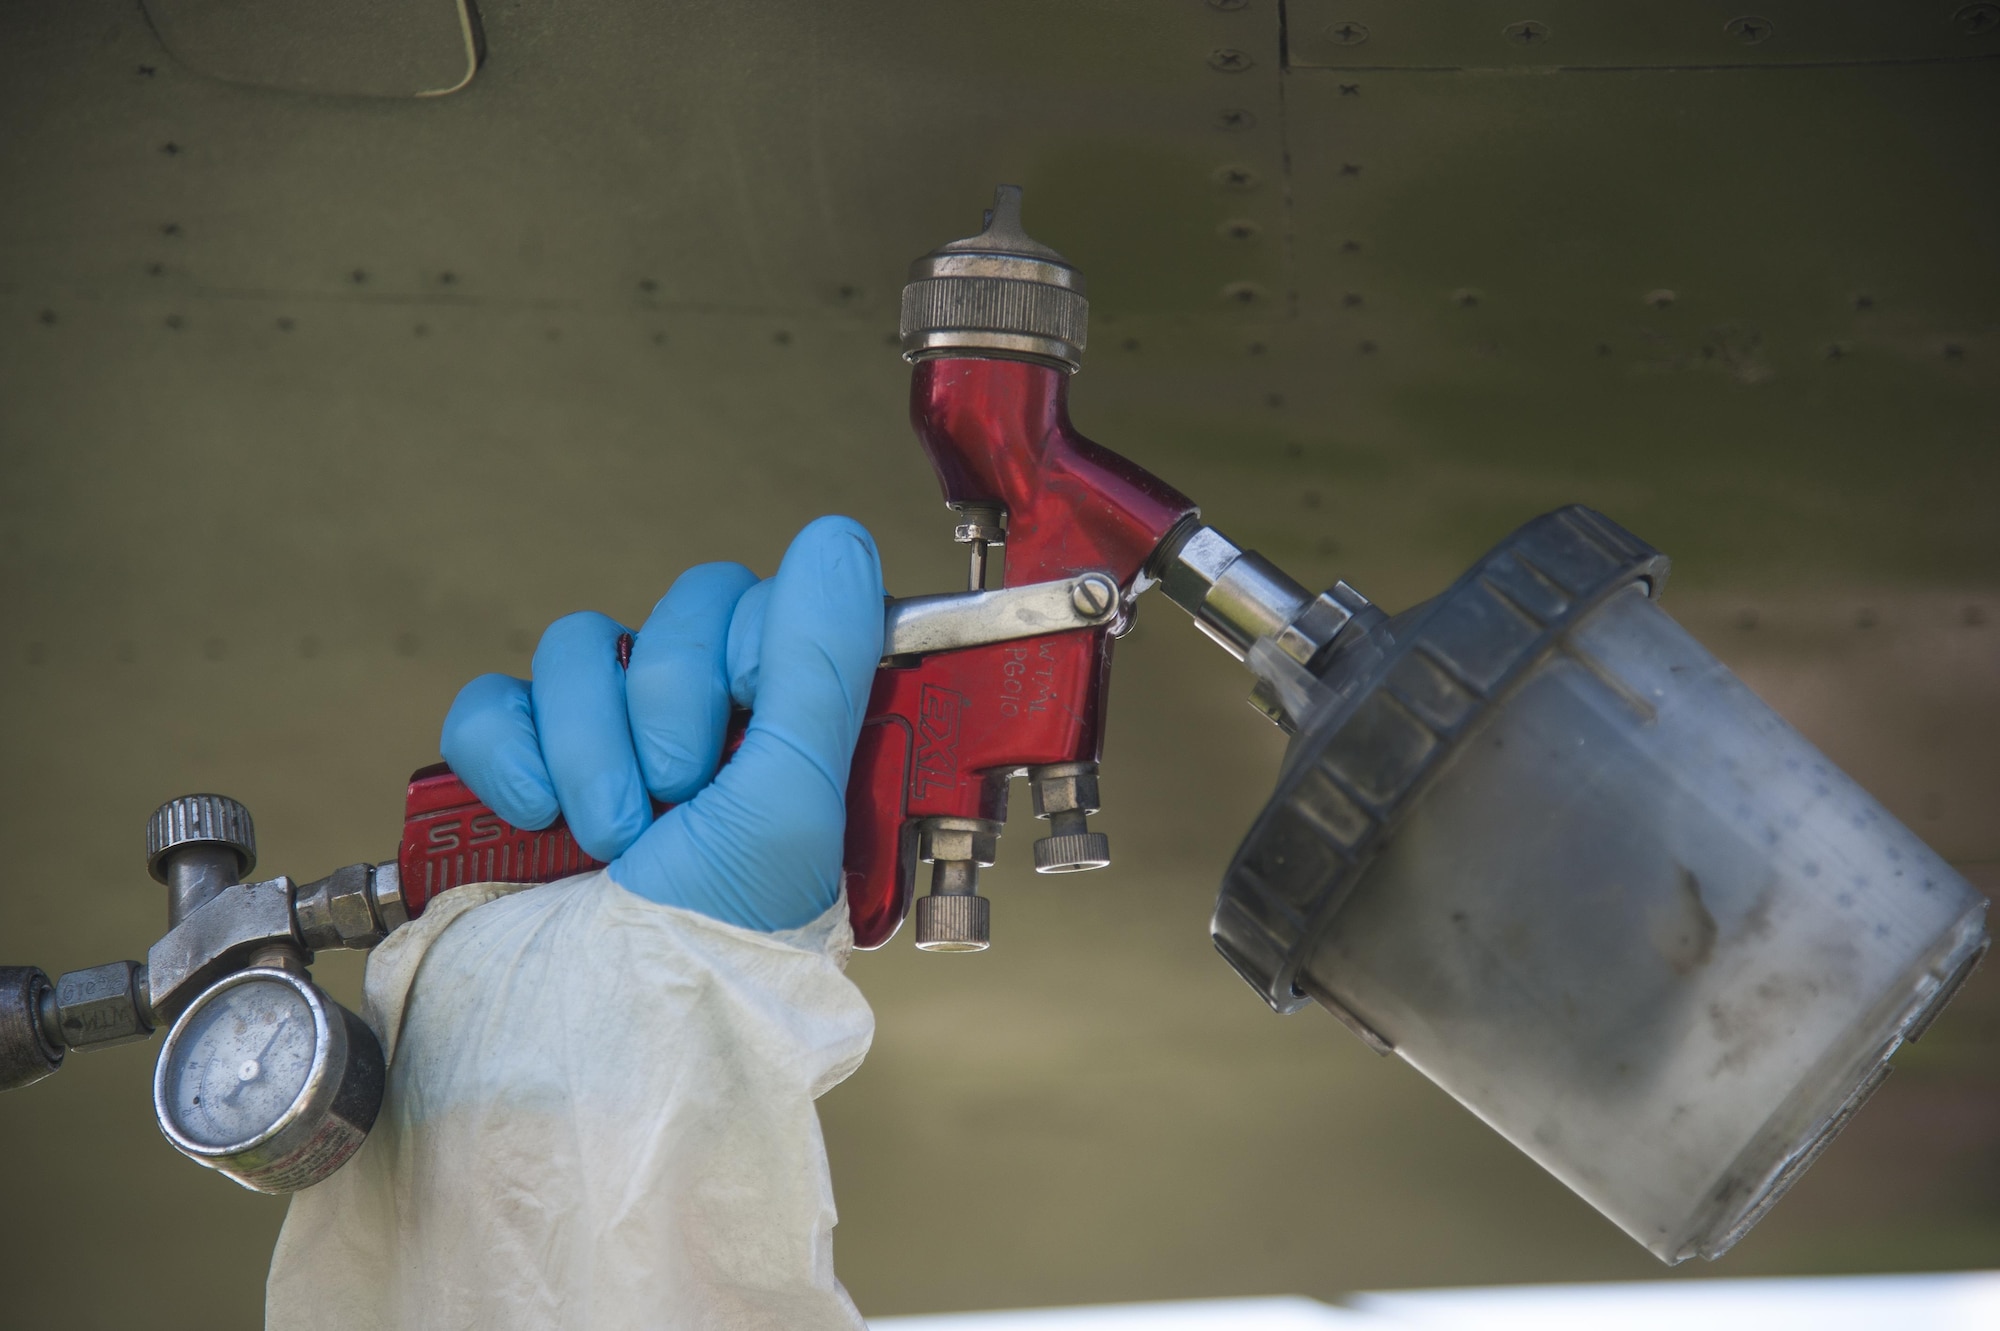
<point x="999" y="293"/>
<point x="29" y="1051"/>
<point x="953" y="917"/>
<point x="102" y="1006"/>
<point x="354" y="907"/>
<point x="1066" y="795"/>
<point x="1235" y="595"/>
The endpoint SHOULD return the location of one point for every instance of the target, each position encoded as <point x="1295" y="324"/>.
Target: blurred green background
<point x="314" y="405"/>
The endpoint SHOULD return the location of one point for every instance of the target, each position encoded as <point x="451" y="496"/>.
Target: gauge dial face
<point x="241" y="1063"/>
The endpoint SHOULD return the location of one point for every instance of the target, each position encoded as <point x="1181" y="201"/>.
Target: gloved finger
<point x="822" y="636"/>
<point x="489" y="740"/>
<point x="760" y="846"/>
<point x="579" y="696"/>
<point x="746" y="643"/>
<point x="677" y="687"/>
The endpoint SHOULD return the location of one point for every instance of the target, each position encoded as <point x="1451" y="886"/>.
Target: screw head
<point x="1347" y="32"/>
<point x="1973" y="20"/>
<point x="1750" y="29"/>
<point x="1093" y="595"/>
<point x="1528" y="32"/>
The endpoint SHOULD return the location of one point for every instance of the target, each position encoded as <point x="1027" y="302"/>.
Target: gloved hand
<point x="757" y="844"/>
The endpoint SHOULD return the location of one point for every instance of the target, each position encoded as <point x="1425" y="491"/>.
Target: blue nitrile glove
<point x="757" y="844"/>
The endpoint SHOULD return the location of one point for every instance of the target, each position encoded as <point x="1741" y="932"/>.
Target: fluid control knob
<point x="953" y="917"/>
<point x="197" y="845"/>
<point x="1066" y="795"/>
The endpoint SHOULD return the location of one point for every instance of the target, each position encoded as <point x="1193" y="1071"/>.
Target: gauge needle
<point x="230" y="1098"/>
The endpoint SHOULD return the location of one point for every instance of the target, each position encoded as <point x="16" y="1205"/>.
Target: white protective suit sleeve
<point x="599" y="1115"/>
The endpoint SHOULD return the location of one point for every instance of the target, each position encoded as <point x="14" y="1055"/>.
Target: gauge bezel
<point x="327" y="1120"/>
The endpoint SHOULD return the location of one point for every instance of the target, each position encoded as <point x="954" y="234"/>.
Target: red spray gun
<point x="995" y="325"/>
<point x="1529" y="834"/>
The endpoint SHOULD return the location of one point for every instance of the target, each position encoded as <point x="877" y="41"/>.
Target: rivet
<point x="1367" y="347"/>
<point x="1749" y="29"/>
<point x="1235" y="119"/>
<point x="648" y="285"/>
<point x="1973" y="20"/>
<point x="1236" y="177"/>
<point x="358" y="276"/>
<point x="48" y="316"/>
<point x="1243" y="293"/>
<point x="1527" y="32"/>
<point x="1350" y="300"/>
<point x="1350" y="168"/>
<point x="170" y="228"/>
<point x="1863" y="303"/>
<point x="1350" y="247"/>
<point x="1238" y="228"/>
<point x="1229" y="60"/>
<point x="447" y="279"/>
<point x="156" y="270"/>
<point x="1836" y="350"/>
<point x="147" y="71"/>
<point x="1130" y="344"/>
<point x="1659" y="299"/>
<point x="1227" y="5"/>
<point x="846" y="291"/>
<point x="1350" y="90"/>
<point x="171" y="149"/>
<point x="1466" y="296"/>
<point x="1347" y="32"/>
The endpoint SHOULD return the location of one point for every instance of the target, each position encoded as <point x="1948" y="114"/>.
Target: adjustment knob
<point x="954" y="923"/>
<point x="199" y="820"/>
<point x="1072" y="852"/>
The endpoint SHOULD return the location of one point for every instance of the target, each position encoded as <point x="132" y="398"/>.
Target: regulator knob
<point x="199" y="820"/>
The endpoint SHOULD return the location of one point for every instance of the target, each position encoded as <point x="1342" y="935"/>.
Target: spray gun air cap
<point x="999" y="293"/>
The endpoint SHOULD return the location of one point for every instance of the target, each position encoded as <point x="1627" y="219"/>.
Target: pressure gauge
<point x="268" y="1080"/>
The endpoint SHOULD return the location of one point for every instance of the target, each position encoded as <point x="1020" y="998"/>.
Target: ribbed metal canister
<point x="999" y="293"/>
